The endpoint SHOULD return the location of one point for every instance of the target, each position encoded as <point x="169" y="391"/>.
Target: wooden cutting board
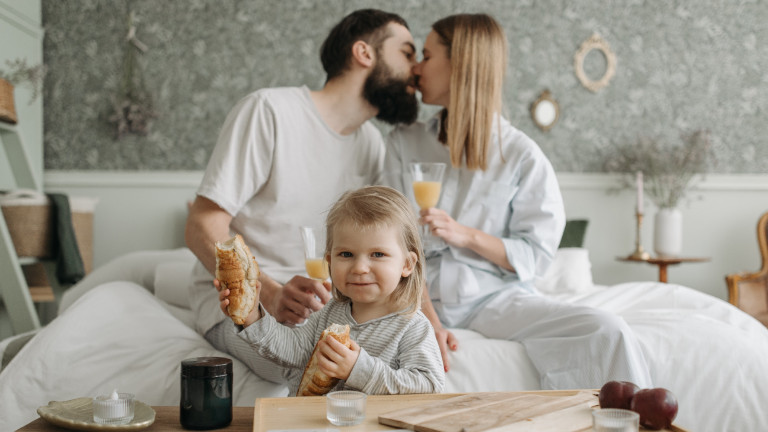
<point x="547" y="411"/>
<point x="480" y="412"/>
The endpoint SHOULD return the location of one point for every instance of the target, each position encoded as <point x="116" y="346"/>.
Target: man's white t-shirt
<point x="277" y="166"/>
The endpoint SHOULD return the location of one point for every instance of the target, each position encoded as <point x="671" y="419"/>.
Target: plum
<point x="617" y="394"/>
<point x="657" y="407"/>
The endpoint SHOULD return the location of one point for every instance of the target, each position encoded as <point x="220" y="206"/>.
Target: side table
<point x="663" y="262"/>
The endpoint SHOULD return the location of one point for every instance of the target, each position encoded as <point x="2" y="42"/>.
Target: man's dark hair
<point x="368" y="25"/>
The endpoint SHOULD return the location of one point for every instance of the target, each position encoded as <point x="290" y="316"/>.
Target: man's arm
<point x="207" y="223"/>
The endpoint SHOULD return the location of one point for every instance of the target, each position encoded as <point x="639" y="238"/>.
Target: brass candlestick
<point x="639" y="253"/>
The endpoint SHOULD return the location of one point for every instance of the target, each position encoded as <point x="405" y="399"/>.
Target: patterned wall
<point x="681" y="65"/>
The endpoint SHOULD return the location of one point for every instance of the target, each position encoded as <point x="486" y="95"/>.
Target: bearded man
<point x="283" y="157"/>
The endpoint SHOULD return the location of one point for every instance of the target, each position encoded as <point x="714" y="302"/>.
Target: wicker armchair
<point x="749" y="291"/>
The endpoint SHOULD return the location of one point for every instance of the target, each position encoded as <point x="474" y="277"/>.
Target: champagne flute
<point x="314" y="253"/>
<point x="427" y="182"/>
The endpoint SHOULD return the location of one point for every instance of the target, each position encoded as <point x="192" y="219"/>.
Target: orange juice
<point x="317" y="268"/>
<point x="427" y="193"/>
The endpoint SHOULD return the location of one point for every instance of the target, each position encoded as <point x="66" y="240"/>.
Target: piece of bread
<point x="314" y="382"/>
<point x="237" y="271"/>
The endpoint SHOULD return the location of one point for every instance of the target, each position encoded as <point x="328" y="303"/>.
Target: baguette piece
<point x="314" y="382"/>
<point x="237" y="271"/>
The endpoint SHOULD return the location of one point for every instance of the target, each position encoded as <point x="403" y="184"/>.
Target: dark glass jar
<point x="206" y="393"/>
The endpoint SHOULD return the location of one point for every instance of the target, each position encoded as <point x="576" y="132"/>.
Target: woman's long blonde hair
<point x="477" y="49"/>
<point x="373" y="207"/>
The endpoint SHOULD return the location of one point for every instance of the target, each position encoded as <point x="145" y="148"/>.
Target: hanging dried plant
<point x="18" y="73"/>
<point x="133" y="106"/>
<point x="668" y="169"/>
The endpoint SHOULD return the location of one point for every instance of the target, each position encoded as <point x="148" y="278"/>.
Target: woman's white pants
<point x="573" y="347"/>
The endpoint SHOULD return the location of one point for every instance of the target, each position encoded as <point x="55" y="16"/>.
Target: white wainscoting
<point x="147" y="210"/>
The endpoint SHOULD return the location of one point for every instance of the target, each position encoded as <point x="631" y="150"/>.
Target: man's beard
<point x="390" y="95"/>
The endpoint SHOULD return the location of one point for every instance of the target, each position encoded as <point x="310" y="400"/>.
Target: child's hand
<point x="252" y="317"/>
<point x="336" y="360"/>
<point x="223" y="294"/>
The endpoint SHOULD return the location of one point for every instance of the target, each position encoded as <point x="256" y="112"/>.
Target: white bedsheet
<point x="119" y="335"/>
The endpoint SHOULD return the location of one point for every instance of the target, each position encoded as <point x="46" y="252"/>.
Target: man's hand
<point x="446" y="341"/>
<point x="335" y="359"/>
<point x="298" y="299"/>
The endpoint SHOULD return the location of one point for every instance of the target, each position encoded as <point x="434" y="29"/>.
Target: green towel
<point x="69" y="263"/>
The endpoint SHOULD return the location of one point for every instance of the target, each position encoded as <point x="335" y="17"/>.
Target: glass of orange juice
<point x="314" y="252"/>
<point x="427" y="182"/>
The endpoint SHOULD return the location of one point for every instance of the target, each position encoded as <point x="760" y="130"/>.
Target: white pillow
<point x="172" y="281"/>
<point x="570" y="272"/>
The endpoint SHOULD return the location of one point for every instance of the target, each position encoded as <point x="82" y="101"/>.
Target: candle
<point x="114" y="409"/>
<point x="640" y="192"/>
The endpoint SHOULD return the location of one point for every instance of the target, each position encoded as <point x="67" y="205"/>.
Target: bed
<point x="128" y="326"/>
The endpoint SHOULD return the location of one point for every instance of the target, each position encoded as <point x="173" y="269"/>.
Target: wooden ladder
<point x="13" y="285"/>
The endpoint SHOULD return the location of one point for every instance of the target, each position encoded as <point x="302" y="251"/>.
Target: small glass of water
<point x="615" y="420"/>
<point x="346" y="407"/>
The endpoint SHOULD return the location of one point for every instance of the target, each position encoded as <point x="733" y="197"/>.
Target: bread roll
<point x="314" y="382"/>
<point x="237" y="271"/>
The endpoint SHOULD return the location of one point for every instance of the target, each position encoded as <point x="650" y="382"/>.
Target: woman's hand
<point x="336" y="360"/>
<point x="442" y="225"/>
<point x="446" y="341"/>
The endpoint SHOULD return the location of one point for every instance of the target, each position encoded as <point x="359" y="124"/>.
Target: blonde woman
<point x="501" y="215"/>
<point x="376" y="262"/>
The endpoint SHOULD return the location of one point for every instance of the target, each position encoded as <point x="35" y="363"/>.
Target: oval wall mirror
<point x="545" y="111"/>
<point x="595" y="42"/>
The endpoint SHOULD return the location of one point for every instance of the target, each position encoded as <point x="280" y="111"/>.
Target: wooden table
<point x="309" y="412"/>
<point x="166" y="419"/>
<point x="663" y="262"/>
<point x="301" y="413"/>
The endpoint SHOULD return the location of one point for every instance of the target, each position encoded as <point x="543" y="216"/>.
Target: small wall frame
<point x="545" y="111"/>
<point x="595" y="42"/>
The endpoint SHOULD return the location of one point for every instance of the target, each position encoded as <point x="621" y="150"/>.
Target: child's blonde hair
<point x="382" y="207"/>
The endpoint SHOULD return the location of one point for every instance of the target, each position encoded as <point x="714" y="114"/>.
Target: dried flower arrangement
<point x="133" y="106"/>
<point x="18" y="73"/>
<point x="668" y="169"/>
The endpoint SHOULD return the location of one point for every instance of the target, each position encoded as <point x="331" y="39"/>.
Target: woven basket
<point x="31" y="229"/>
<point x="7" y="107"/>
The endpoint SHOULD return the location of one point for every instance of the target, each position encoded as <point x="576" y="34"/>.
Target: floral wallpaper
<point x="681" y="65"/>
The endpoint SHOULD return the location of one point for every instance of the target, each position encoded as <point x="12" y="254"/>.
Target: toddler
<point x="377" y="273"/>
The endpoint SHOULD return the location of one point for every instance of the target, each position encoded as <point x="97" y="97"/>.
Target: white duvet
<point x="123" y="335"/>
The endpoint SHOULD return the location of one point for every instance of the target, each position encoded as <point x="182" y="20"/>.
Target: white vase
<point x="668" y="232"/>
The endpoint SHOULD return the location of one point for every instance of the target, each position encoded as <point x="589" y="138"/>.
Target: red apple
<point x="617" y="394"/>
<point x="657" y="407"/>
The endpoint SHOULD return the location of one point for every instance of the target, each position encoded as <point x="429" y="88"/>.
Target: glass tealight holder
<point x="109" y="411"/>
<point x="346" y="407"/>
<point x="615" y="420"/>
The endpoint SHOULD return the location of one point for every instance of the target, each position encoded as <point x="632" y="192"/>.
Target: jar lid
<point x="206" y="367"/>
